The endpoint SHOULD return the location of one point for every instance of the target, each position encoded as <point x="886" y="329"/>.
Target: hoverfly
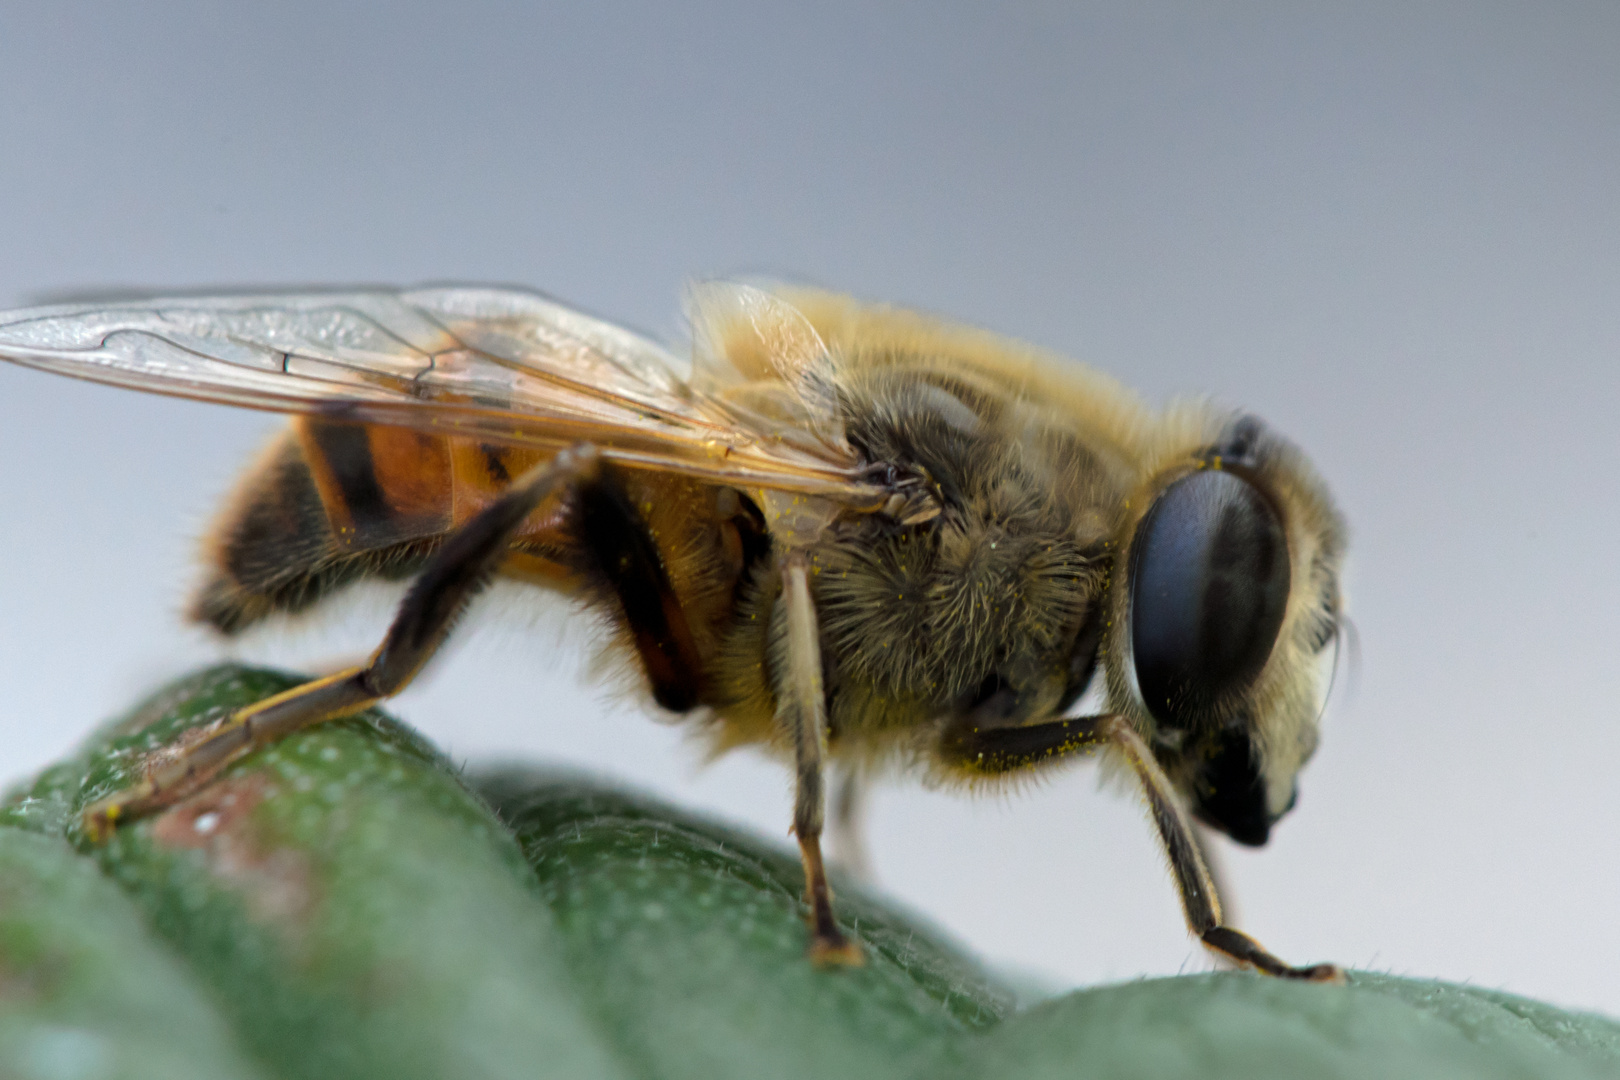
<point x="849" y="534"/>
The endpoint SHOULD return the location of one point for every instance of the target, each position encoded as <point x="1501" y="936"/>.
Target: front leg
<point x="801" y="714"/>
<point x="990" y="751"/>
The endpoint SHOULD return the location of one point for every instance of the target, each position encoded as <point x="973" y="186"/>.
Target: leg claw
<point x="836" y="951"/>
<point x="1332" y="974"/>
<point x="101" y="818"/>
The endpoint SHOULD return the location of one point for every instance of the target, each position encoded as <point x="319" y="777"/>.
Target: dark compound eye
<point x="1209" y="582"/>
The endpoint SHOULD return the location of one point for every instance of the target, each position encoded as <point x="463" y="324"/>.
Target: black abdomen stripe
<point x="346" y="453"/>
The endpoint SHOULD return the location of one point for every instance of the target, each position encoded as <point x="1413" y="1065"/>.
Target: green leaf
<point x="344" y="904"/>
<point x="353" y="908"/>
<point x="689" y="940"/>
<point x="85" y="990"/>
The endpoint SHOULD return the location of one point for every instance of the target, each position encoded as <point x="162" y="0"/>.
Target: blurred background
<point x="1393" y="232"/>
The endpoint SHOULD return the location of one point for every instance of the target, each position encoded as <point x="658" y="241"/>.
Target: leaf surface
<point x="345" y="904"/>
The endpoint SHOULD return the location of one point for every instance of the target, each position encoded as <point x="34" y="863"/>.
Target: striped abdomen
<point x="332" y="503"/>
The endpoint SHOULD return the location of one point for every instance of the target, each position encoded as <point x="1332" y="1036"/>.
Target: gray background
<point x="1391" y="232"/>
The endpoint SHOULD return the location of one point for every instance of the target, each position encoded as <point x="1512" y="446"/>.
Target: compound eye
<point x="1209" y="582"/>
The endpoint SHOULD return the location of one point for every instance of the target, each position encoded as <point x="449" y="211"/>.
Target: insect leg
<point x="801" y="713"/>
<point x="848" y="822"/>
<point x="458" y="570"/>
<point x="616" y="534"/>
<point x="1216" y="868"/>
<point x="999" y="750"/>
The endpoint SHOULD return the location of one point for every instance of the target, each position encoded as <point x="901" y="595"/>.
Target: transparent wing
<point x="501" y="365"/>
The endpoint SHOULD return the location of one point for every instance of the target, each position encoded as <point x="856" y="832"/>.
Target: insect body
<point x="851" y="535"/>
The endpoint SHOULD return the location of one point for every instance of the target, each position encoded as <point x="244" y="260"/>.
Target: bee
<point x="849" y="534"/>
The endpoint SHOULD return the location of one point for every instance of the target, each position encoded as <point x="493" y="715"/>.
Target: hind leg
<point x="453" y="575"/>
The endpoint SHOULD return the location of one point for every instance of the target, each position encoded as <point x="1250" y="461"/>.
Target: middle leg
<point x="801" y="714"/>
<point x="850" y="852"/>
